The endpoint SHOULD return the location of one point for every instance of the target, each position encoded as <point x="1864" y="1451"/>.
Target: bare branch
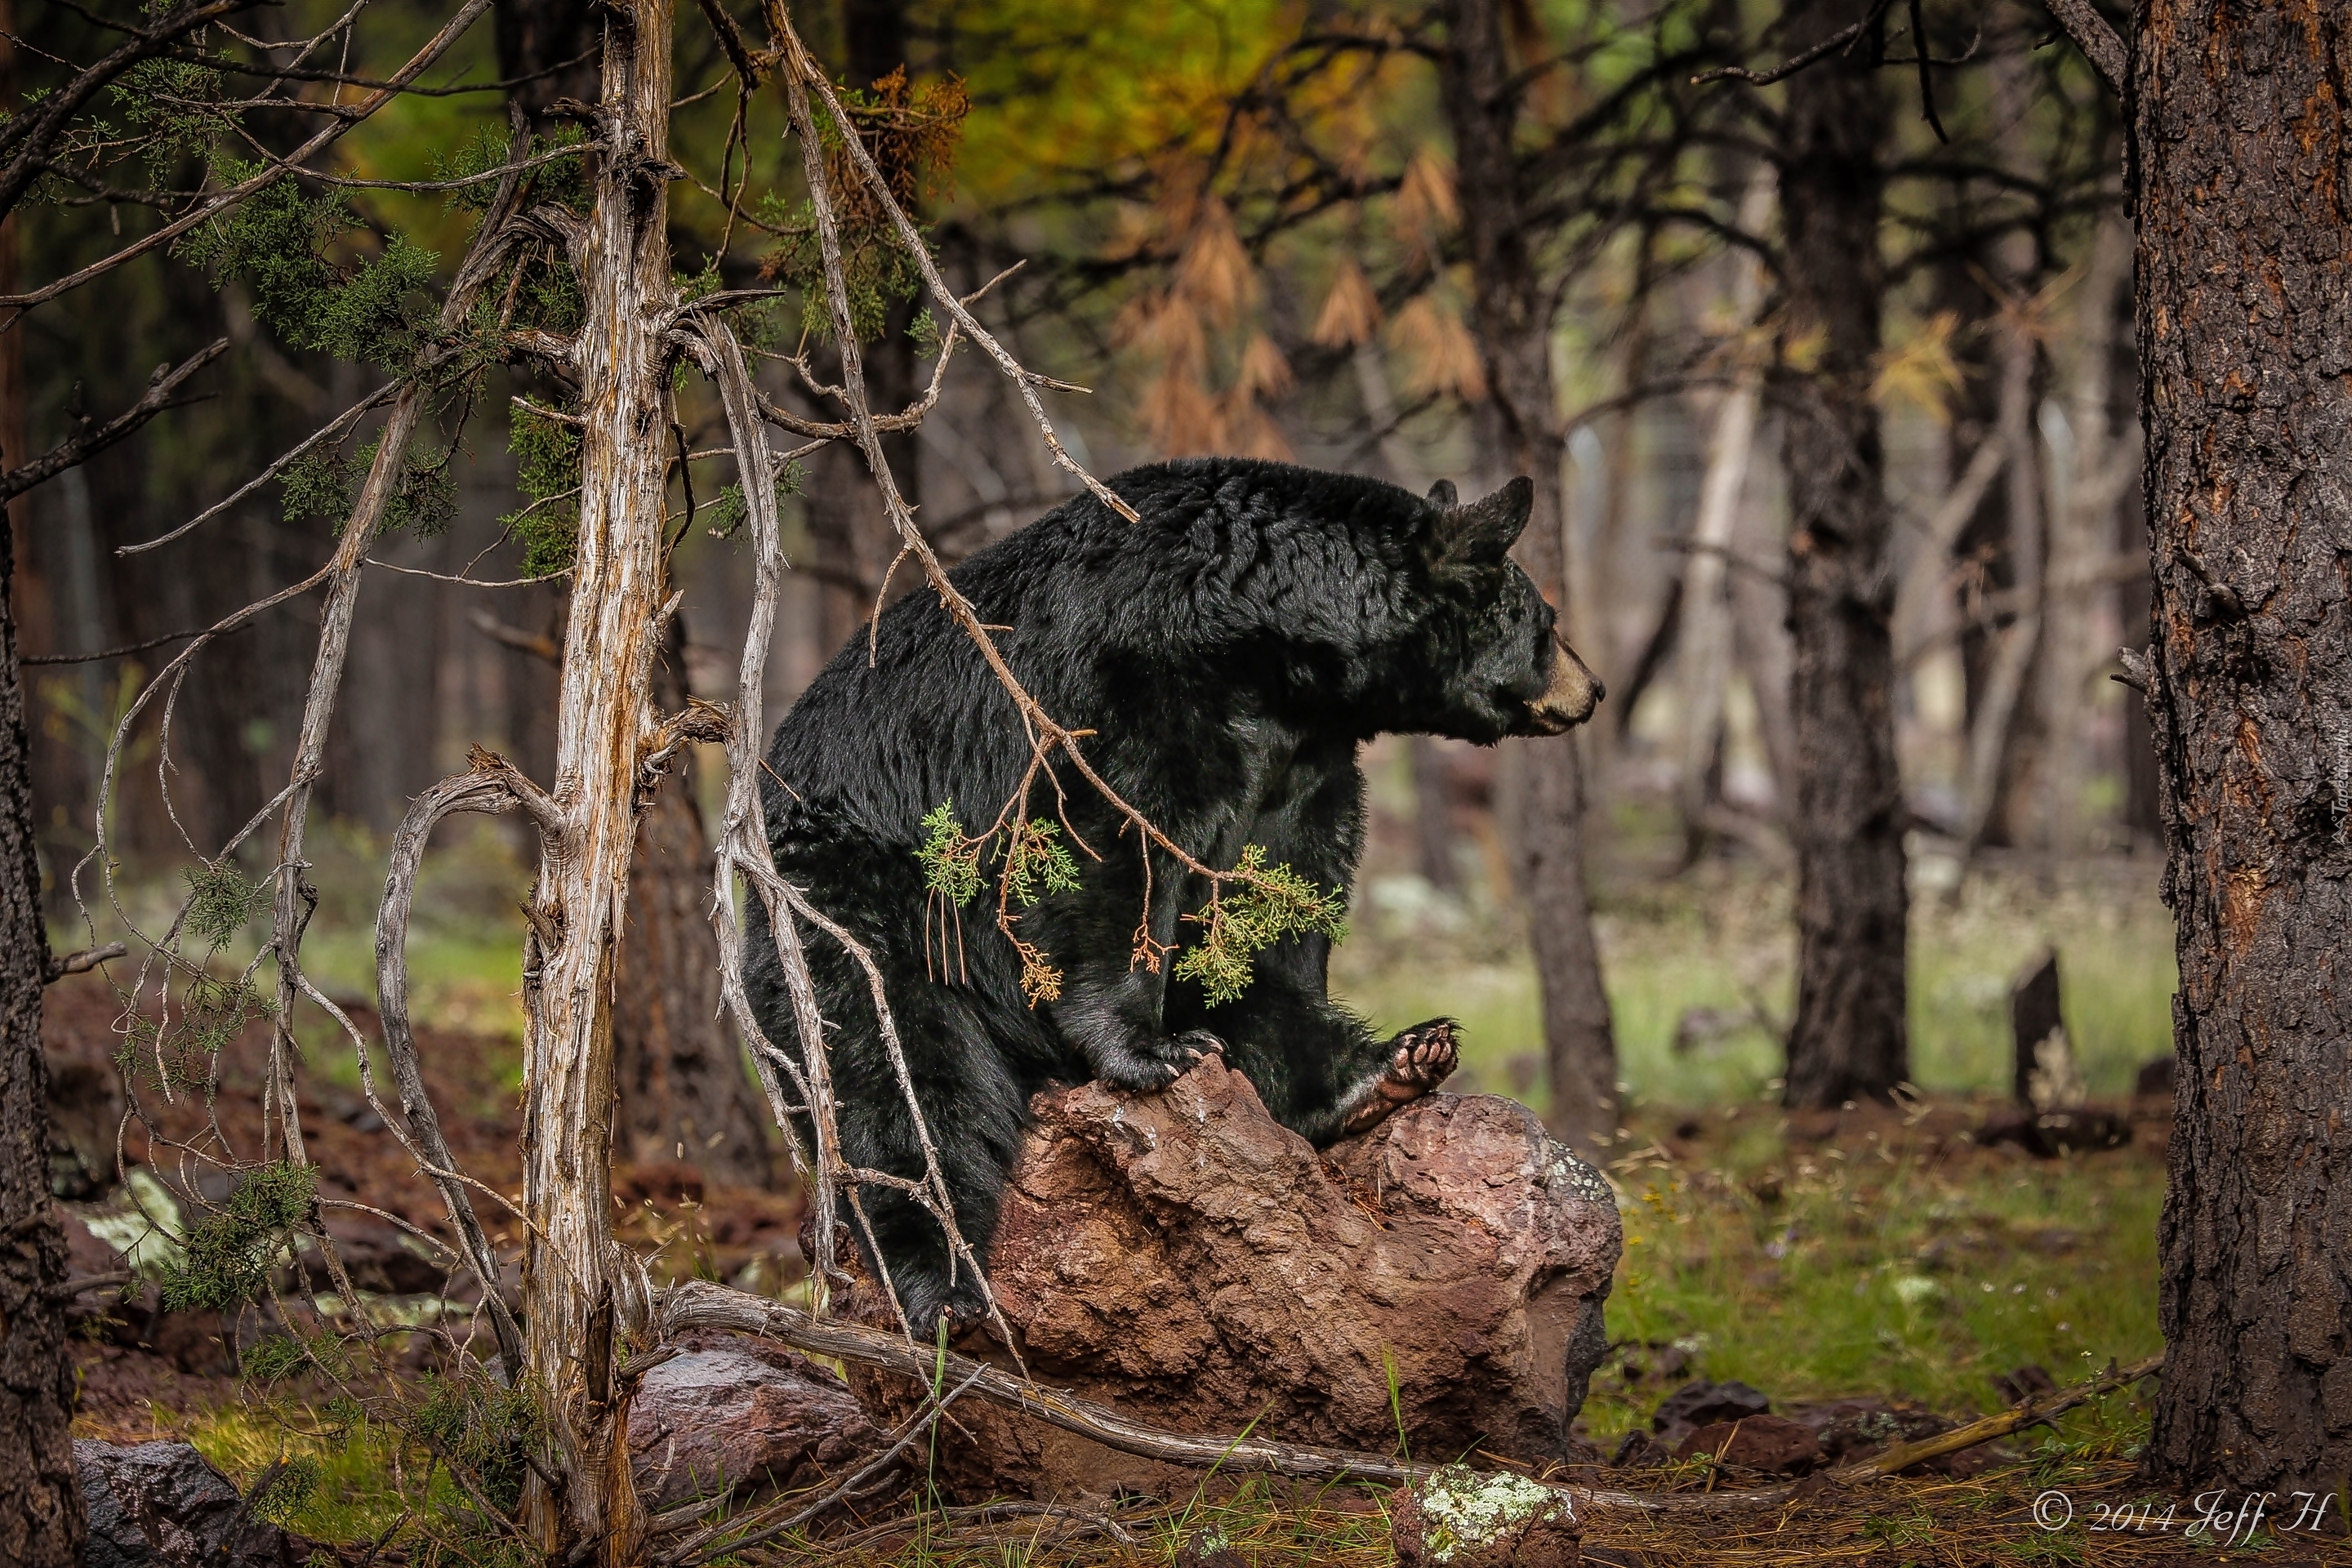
<point x="327" y="432"/>
<point x="161" y="389"/>
<point x="1843" y="38"/>
<point x="220" y="200"/>
<point x="2095" y="38"/>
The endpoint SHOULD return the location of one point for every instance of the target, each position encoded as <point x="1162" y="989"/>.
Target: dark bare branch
<point x="2094" y="38"/>
<point x="162" y="392"/>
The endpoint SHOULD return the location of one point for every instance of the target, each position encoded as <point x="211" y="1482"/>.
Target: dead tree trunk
<point x="579" y="1292"/>
<point x="41" y="1524"/>
<point x="1511" y="317"/>
<point x="1704" y="648"/>
<point x="2238" y="143"/>
<point x="1846" y="820"/>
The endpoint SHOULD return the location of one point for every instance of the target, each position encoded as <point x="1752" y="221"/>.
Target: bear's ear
<point x="1441" y="495"/>
<point x="1481" y="533"/>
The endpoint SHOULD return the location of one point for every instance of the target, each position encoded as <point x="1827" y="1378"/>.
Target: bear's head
<point x="1483" y="658"/>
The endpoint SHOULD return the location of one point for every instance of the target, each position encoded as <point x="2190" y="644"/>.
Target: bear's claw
<point x="1420" y="1059"/>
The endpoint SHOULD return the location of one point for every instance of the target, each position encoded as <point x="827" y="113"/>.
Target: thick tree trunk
<point x="41" y="1522"/>
<point x="1848" y="1039"/>
<point x="578" y="1298"/>
<point x="1513" y="325"/>
<point x="2239" y="145"/>
<point x="684" y="1093"/>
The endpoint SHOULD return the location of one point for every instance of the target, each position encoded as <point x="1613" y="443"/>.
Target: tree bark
<point x="1848" y="1039"/>
<point x="1511" y="317"/>
<point x="683" y="1090"/>
<point x="579" y="1293"/>
<point x="41" y="1520"/>
<point x="2239" y="148"/>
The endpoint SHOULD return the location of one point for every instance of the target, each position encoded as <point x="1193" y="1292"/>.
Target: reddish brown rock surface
<point x="729" y="1413"/>
<point x="1184" y="1256"/>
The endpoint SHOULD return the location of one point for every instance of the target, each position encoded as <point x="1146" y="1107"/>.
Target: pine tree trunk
<point x="41" y="1521"/>
<point x="1846" y="820"/>
<point x="1511" y="318"/>
<point x="2239" y="148"/>
<point x="576" y="1300"/>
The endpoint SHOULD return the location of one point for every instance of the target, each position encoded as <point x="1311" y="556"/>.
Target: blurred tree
<point x="1850" y="1038"/>
<point x="1519" y="425"/>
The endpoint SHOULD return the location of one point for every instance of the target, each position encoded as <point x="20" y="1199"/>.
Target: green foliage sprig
<point x="547" y="469"/>
<point x="728" y="513"/>
<point x="295" y="253"/>
<point x="221" y="900"/>
<point x="482" y="1429"/>
<point x="1273" y="903"/>
<point x="1269" y="903"/>
<point x="949" y="859"/>
<point x="231" y="1250"/>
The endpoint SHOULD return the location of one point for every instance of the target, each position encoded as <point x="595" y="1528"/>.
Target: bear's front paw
<point x="1147" y="1071"/>
<point x="1420" y="1060"/>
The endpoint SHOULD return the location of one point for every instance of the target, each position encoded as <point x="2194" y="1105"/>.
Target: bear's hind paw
<point x="1420" y="1060"/>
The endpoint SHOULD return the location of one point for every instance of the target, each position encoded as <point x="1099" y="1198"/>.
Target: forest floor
<point x="1893" y="1255"/>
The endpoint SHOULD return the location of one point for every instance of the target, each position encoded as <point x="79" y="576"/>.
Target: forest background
<point x="1251" y="228"/>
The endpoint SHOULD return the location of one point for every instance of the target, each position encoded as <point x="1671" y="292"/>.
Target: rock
<point x="1853" y="1429"/>
<point x="1183" y="1256"/>
<point x="85" y="1107"/>
<point x="1638" y="1450"/>
<point x="1463" y="1519"/>
<point x="160" y="1505"/>
<point x="730" y="1412"/>
<point x="2027" y="1382"/>
<point x="2154" y="1080"/>
<point x="1210" y="1548"/>
<point x="1771" y="1443"/>
<point x="1700" y="1403"/>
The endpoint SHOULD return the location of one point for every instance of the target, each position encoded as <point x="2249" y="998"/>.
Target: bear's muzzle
<point x="1574" y="692"/>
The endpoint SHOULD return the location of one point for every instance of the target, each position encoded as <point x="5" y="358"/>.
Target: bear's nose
<point x="1571" y="698"/>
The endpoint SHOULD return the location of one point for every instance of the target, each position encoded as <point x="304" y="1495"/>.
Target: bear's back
<point x="1223" y="547"/>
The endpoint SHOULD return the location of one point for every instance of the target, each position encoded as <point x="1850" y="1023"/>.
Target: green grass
<point x="1719" y="938"/>
<point x="1864" y="1269"/>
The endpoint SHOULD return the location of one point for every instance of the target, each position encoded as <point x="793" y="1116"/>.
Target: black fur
<point x="1230" y="651"/>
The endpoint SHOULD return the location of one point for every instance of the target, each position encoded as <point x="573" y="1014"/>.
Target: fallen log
<point x="701" y="1304"/>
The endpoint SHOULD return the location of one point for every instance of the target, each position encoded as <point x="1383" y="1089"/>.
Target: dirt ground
<point x="148" y="1374"/>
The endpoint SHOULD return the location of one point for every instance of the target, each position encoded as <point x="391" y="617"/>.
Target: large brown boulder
<point x="1182" y="1255"/>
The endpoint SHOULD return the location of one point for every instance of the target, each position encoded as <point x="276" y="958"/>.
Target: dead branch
<point x="2029" y="1411"/>
<point x="2097" y="40"/>
<point x="162" y="392"/>
<point x="273" y="168"/>
<point x="802" y="68"/>
<point x="701" y="1304"/>
<point x="84" y="960"/>
<point x="329" y="431"/>
<point x="383" y="482"/>
<point x="490" y="786"/>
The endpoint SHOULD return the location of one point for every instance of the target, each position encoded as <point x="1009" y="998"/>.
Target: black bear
<point x="1224" y="657"/>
